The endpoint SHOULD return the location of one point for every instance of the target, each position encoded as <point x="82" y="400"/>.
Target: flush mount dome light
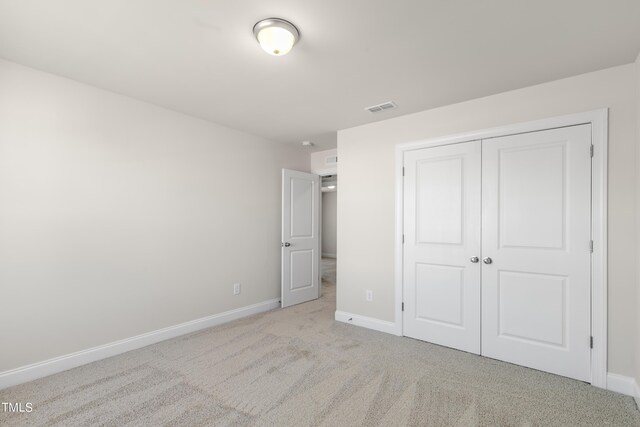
<point x="276" y="36"/>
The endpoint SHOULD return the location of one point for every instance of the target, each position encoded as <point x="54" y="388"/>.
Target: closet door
<point x="536" y="208"/>
<point x="442" y="237"/>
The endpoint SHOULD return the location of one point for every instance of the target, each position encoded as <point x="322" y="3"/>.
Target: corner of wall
<point x="637" y="177"/>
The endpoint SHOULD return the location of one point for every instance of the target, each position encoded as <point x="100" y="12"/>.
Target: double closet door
<point x="497" y="252"/>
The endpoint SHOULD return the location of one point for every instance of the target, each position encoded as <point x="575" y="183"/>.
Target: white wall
<point x="366" y="197"/>
<point x="637" y="335"/>
<point x="118" y="217"/>
<point x="329" y="228"/>
<point x="319" y="164"/>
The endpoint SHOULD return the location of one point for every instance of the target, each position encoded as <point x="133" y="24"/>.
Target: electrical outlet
<point x="236" y="288"/>
<point x="369" y="295"/>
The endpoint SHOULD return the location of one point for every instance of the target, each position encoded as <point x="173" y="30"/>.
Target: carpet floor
<point x="298" y="367"/>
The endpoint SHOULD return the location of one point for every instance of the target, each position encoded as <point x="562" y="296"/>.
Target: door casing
<point x="598" y="119"/>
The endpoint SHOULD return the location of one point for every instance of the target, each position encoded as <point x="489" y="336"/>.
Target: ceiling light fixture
<point x="276" y="36"/>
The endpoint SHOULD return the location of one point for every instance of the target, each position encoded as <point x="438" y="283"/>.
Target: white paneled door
<point x="497" y="255"/>
<point x="300" y="237"/>
<point x="442" y="237"/>
<point x="536" y="225"/>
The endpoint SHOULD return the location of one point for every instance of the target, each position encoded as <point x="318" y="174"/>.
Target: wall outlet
<point x="236" y="288"/>
<point x="369" y="295"/>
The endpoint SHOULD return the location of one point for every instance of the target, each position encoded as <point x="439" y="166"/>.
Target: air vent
<point x="382" y="107"/>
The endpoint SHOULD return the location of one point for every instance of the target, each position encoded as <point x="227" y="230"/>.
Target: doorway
<point x="329" y="231"/>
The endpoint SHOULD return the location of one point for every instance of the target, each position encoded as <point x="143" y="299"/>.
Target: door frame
<point x="598" y="119"/>
<point x="321" y="174"/>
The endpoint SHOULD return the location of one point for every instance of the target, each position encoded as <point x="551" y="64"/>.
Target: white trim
<point x="79" y="358"/>
<point x="620" y="384"/>
<point x="599" y="212"/>
<point x="599" y="138"/>
<point x="513" y="129"/>
<point x="367" y="322"/>
<point x="399" y="238"/>
<point x="328" y="255"/>
<point x="326" y="171"/>
<point x="624" y="385"/>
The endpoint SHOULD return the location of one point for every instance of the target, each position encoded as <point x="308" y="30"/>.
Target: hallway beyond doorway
<point x="328" y="269"/>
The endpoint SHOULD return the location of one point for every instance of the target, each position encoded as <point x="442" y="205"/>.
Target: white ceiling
<point x="200" y="57"/>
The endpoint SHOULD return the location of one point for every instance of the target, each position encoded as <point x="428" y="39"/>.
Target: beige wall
<point x="366" y="197"/>
<point x="329" y="229"/>
<point x="118" y="217"/>
<point x="637" y="336"/>
<point x="319" y="162"/>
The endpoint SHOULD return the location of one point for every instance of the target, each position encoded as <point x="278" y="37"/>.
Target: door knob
<point x="286" y="244"/>
<point x="474" y="259"/>
<point x="487" y="260"/>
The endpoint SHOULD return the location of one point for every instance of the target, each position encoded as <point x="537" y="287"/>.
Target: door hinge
<point x="402" y="306"/>
<point x="591" y="246"/>
<point x="403" y="238"/>
<point x="592" y="151"/>
<point x="403" y="171"/>
<point x="591" y="342"/>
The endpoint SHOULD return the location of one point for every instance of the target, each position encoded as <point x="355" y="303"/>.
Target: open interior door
<point x="300" y="237"/>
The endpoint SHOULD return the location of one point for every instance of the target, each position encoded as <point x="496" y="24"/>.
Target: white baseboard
<point x="368" y="322"/>
<point x="68" y="361"/>
<point x="624" y="385"/>
<point x="328" y="255"/>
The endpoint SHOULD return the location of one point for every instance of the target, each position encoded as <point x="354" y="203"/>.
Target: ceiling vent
<point x="382" y="107"/>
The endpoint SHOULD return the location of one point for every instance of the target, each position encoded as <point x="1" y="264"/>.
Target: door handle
<point x="474" y="259"/>
<point x="286" y="244"/>
<point x="487" y="260"/>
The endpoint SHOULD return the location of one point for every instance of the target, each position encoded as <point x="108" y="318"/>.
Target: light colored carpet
<point x="328" y="270"/>
<point x="299" y="367"/>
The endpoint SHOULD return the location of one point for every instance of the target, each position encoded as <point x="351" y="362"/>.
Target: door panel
<point x="300" y="237"/>
<point x="531" y="177"/>
<point x="439" y="289"/>
<point x="302" y="271"/>
<point x="302" y="206"/>
<point x="440" y="200"/>
<point x="442" y="230"/>
<point x="536" y="207"/>
<point x="521" y="299"/>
